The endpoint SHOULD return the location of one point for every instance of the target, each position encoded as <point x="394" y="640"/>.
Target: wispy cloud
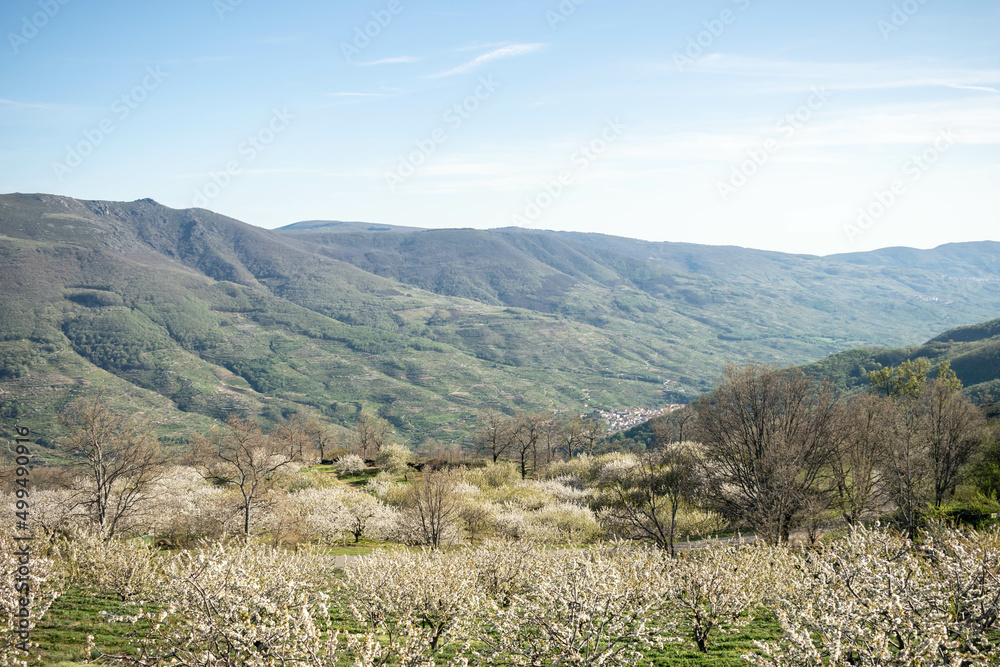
<point x="479" y="46"/>
<point x="510" y="51"/>
<point x="985" y="89"/>
<point x="399" y="60"/>
<point x="25" y="105"/>
<point x="864" y="75"/>
<point x="356" y="95"/>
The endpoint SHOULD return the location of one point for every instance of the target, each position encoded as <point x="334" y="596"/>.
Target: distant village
<point x="623" y="420"/>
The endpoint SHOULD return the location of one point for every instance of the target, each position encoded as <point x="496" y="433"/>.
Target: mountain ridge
<point x="192" y="315"/>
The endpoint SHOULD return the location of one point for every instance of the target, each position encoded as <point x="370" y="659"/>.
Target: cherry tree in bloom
<point x="129" y="569"/>
<point x="29" y="584"/>
<point x="401" y="593"/>
<point x="718" y="589"/>
<point x="590" y="608"/>
<point x="228" y="606"/>
<point x="349" y="463"/>
<point x="879" y="599"/>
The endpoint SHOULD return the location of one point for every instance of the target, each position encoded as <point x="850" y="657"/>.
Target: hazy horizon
<point x="608" y="233"/>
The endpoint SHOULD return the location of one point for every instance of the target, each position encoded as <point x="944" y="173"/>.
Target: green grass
<point x="723" y="649"/>
<point x="362" y="548"/>
<point x="359" y="478"/>
<point x="62" y="634"/>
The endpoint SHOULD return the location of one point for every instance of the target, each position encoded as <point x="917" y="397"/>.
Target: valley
<point x="190" y="316"/>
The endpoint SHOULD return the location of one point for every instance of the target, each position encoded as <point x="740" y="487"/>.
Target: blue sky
<point x="813" y="127"/>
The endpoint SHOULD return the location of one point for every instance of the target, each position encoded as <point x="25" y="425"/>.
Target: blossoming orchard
<point x="771" y="523"/>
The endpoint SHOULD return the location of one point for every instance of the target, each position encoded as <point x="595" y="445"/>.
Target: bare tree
<point x="294" y="438"/>
<point x="858" y="480"/>
<point x="548" y="441"/>
<point x="904" y="453"/>
<point x="678" y="426"/>
<point x="496" y="435"/>
<point x="527" y="430"/>
<point x="681" y="476"/>
<point x="451" y="452"/>
<point x="592" y="433"/>
<point x="905" y="466"/>
<point x="647" y="498"/>
<point x="769" y="436"/>
<point x="243" y="457"/>
<point x="937" y="432"/>
<point x="570" y="435"/>
<point x="435" y="506"/>
<point x="121" y="459"/>
<point x="475" y="517"/>
<point x="311" y="435"/>
<point x="372" y="434"/>
<point x="954" y="427"/>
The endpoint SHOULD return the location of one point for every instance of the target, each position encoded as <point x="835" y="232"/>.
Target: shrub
<point x="349" y="463"/>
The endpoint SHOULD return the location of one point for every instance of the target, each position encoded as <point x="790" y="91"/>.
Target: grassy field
<point x="62" y="635"/>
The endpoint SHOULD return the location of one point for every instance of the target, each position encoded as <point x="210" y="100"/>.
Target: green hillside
<point x="191" y="316"/>
<point x="771" y="306"/>
<point x="974" y="353"/>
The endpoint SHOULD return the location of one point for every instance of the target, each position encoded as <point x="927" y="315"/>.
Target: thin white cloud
<point x="834" y="136"/>
<point x="839" y="142"/>
<point x="480" y="47"/>
<point x="356" y="95"/>
<point x="871" y="75"/>
<point x="399" y="60"/>
<point x="511" y="51"/>
<point x="986" y="89"/>
<point x="345" y="98"/>
<point x="25" y="105"/>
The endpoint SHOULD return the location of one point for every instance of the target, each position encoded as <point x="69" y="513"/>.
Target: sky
<point x="797" y="126"/>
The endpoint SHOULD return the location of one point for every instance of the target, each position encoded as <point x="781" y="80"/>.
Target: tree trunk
<point x="673" y="523"/>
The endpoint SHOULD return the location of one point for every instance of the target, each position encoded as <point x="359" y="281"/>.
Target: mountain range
<point x="191" y="316"/>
